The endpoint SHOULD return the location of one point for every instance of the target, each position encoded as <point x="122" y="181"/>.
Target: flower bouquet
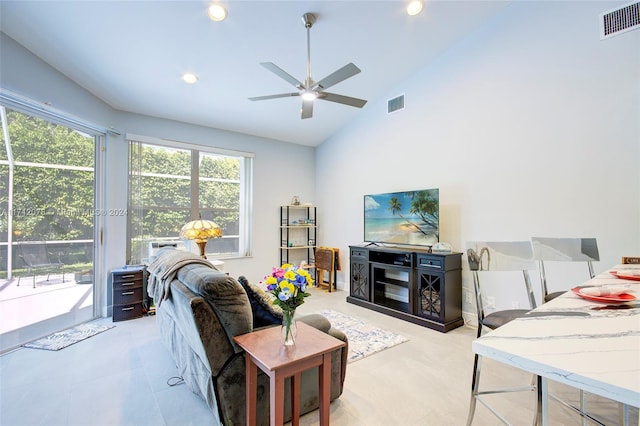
<point x="288" y="284"/>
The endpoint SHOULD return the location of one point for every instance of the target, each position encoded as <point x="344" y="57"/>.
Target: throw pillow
<point x="262" y="307"/>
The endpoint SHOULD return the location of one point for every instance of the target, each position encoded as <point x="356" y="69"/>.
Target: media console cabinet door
<point x="359" y="270"/>
<point x="439" y="287"/>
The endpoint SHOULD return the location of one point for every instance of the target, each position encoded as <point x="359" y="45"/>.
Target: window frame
<point x="245" y="214"/>
<point x="25" y="105"/>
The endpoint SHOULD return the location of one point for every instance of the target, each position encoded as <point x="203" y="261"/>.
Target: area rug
<point x="364" y="339"/>
<point x="68" y="337"/>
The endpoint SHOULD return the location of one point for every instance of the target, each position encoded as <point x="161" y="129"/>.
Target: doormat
<point x="68" y="337"/>
<point x="364" y="339"/>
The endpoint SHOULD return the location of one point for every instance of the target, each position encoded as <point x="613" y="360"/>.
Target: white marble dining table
<point x="590" y="345"/>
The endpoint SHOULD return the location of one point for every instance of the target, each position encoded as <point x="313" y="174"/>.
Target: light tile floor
<point x="119" y="377"/>
<point x="27" y="313"/>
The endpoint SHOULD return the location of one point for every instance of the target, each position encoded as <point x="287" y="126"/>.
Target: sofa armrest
<point x="317" y="321"/>
<point x="321" y="323"/>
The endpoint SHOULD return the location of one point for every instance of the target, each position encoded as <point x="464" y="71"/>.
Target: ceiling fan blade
<point x="280" y="95"/>
<point x="307" y="109"/>
<point x="336" y="77"/>
<point x="346" y="100"/>
<point x="282" y="73"/>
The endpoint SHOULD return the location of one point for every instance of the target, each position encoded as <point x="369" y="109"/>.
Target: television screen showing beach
<point x="410" y="217"/>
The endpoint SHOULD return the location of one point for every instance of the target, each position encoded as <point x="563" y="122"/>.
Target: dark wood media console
<point x="411" y="284"/>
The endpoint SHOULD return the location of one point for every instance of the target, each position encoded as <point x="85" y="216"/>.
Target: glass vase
<point x="288" y="329"/>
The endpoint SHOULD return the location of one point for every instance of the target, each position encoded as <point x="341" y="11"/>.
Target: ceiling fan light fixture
<point x="414" y="7"/>
<point x="189" y="78"/>
<point x="217" y="12"/>
<point x="309" y="95"/>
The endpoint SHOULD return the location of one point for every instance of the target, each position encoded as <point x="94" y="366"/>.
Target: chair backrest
<point x="34" y="253"/>
<point x="324" y="259"/>
<point x="500" y="256"/>
<point x="564" y="250"/>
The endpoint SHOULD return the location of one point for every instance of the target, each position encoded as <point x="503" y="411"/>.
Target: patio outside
<point x="27" y="313"/>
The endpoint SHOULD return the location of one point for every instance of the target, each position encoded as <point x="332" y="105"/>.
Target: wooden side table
<point x="264" y="349"/>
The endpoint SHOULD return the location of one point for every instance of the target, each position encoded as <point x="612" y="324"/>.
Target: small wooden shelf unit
<point x="298" y="228"/>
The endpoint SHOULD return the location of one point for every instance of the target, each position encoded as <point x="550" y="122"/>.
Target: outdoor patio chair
<point x="36" y="258"/>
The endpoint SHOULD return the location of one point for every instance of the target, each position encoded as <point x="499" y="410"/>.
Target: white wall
<point x="24" y="74"/>
<point x="530" y="127"/>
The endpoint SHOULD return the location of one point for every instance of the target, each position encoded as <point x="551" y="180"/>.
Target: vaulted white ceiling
<point x="131" y="54"/>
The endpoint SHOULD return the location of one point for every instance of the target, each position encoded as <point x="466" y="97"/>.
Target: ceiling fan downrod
<point x="308" y="19"/>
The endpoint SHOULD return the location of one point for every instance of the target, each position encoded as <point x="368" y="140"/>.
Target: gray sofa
<point x="199" y="310"/>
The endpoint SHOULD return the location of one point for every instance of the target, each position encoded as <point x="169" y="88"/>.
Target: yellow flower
<point x="290" y="275"/>
<point x="287" y="286"/>
<point x="306" y="275"/>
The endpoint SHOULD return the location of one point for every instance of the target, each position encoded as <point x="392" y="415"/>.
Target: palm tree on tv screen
<point x="423" y="205"/>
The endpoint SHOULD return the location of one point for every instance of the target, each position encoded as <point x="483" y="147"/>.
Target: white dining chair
<point x="563" y="250"/>
<point x="506" y="257"/>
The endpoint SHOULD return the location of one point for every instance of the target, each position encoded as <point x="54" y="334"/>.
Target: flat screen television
<point x="403" y="218"/>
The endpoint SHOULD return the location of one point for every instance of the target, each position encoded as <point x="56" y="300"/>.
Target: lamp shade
<point x="201" y="230"/>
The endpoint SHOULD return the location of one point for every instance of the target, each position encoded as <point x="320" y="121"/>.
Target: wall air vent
<point x="395" y="104"/>
<point x="620" y="20"/>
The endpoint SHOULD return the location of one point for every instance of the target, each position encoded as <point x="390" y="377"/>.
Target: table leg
<point x="625" y="418"/>
<point x="324" y="373"/>
<point x="544" y="404"/>
<point x="295" y="399"/>
<point x="276" y="396"/>
<point x="251" y="372"/>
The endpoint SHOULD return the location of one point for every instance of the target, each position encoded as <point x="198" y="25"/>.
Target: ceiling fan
<point x="311" y="90"/>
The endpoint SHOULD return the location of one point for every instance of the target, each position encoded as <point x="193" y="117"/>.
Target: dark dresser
<point x="128" y="292"/>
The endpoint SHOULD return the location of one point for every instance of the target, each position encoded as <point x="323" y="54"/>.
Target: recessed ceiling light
<point x="414" y="7"/>
<point x="189" y="78"/>
<point x="217" y="12"/>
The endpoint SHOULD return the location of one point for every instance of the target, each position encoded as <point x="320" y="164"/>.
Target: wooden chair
<point x="36" y="258"/>
<point x="325" y="263"/>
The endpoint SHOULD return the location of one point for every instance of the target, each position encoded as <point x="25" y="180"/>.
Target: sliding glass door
<point x="47" y="227"/>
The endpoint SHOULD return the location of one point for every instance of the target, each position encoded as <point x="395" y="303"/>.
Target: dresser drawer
<point x="431" y="262"/>
<point x="360" y="252"/>
<point x="127" y="280"/>
<point x="439" y="262"/>
<point x="126" y="296"/>
<point x="127" y="312"/>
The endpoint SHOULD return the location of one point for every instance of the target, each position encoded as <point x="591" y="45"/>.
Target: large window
<point x="172" y="183"/>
